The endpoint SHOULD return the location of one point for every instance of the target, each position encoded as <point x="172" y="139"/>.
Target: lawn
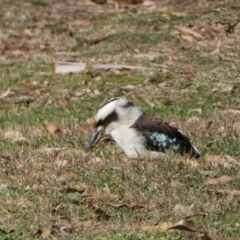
<point x="182" y="64"/>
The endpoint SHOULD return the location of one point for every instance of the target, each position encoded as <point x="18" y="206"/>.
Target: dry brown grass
<point x="49" y="187"/>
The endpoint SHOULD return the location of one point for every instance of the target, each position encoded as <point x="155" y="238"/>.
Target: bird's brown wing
<point x="160" y="136"/>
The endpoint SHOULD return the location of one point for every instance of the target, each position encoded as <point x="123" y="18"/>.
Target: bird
<point x="138" y="134"/>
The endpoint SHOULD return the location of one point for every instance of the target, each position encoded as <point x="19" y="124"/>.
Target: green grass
<point x="8" y="237"/>
<point x="180" y="76"/>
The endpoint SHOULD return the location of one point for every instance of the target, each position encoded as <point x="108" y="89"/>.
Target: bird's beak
<point x="95" y="137"/>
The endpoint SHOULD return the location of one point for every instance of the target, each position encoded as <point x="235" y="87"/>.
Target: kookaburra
<point x="138" y="134"/>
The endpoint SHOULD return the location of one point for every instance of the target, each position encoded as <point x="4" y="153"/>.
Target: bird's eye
<point x="128" y="104"/>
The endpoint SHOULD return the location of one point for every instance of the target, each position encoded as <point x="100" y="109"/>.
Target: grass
<point x="185" y="83"/>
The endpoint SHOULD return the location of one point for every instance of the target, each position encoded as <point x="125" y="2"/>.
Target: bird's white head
<point x="112" y="114"/>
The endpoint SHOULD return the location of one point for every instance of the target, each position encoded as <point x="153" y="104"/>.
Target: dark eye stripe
<point x="110" y="118"/>
<point x="128" y="104"/>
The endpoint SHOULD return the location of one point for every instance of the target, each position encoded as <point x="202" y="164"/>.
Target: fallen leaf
<point x="129" y="205"/>
<point x="132" y="161"/>
<point x="63" y="221"/>
<point x="69" y="67"/>
<point x="52" y="151"/>
<point x="149" y="3"/>
<point x="189" y="31"/>
<point x="74" y="190"/>
<point x="117" y="66"/>
<point x="35" y="187"/>
<point x="81" y="92"/>
<point x="106" y="189"/>
<point x="4" y="190"/>
<point x="18" y="54"/>
<point x="225" y="192"/>
<point x="189" y="162"/>
<point x="81" y="186"/>
<point x="187" y="37"/>
<point x="176" y="183"/>
<point x="100" y="214"/>
<point x="85" y="128"/>
<point x="117" y="150"/>
<point x="193" y="121"/>
<point x="44" y="232"/>
<point x="183" y="210"/>
<point x="94" y="41"/>
<point x="220" y="180"/>
<point x="12" y="135"/>
<point x="21" y="140"/>
<point x="67" y="176"/>
<point x="6" y="94"/>
<point x="159" y="227"/>
<point x="187" y="225"/>
<point x="3" y="186"/>
<point x="236" y="128"/>
<point x="208" y="125"/>
<point x="222" y="88"/>
<point x="61" y="230"/>
<point x="62" y="163"/>
<point x="22" y="202"/>
<point x="198" y="110"/>
<point x="221" y="129"/>
<point x="128" y="87"/>
<point x="52" y="128"/>
<point x="106" y="194"/>
<point x="86" y="224"/>
<point x="95" y="160"/>
<point x="232" y="111"/>
<point x="151" y="104"/>
<point x="96" y="92"/>
<point x="178" y="14"/>
<point x="202" y="236"/>
<point x="235" y="107"/>
<point x="222" y="160"/>
<point x="127" y="1"/>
